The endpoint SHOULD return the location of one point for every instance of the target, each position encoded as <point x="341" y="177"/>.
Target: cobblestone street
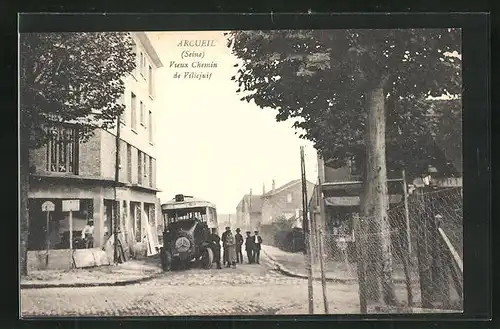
<point x="248" y="289"/>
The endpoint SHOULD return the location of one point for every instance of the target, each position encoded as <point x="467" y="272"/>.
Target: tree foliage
<point x="320" y="79"/>
<point x="72" y="77"/>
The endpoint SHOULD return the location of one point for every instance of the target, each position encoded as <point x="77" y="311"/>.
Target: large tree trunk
<point x="24" y="168"/>
<point x="375" y="203"/>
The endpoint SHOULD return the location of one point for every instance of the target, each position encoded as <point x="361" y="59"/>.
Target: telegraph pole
<point x="306" y="227"/>
<point x="117" y="176"/>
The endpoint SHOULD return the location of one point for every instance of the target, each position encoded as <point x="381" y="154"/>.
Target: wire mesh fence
<point x="411" y="260"/>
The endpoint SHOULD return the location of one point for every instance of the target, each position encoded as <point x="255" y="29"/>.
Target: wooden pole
<point x="307" y="233"/>
<point x="407" y="212"/>
<point x="47" y="239"/>
<point x="71" y="236"/>
<point x="321" y="247"/>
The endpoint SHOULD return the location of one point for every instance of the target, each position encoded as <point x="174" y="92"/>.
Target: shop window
<point x="138" y="222"/>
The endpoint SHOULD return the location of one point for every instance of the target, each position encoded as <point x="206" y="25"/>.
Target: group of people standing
<point x="232" y="246"/>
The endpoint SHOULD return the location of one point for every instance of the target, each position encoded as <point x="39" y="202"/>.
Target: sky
<point x="210" y="144"/>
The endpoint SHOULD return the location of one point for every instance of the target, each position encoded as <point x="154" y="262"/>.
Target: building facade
<point x="249" y="212"/>
<point x="73" y="170"/>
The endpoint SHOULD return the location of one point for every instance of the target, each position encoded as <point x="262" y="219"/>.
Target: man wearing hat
<point x="88" y="234"/>
<point x="225" y="259"/>
<point x="215" y="245"/>
<point x="257" y="241"/>
<point x="239" y="242"/>
<point x="249" y="247"/>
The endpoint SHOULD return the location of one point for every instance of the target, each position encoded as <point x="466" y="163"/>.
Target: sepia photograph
<point x="241" y="172"/>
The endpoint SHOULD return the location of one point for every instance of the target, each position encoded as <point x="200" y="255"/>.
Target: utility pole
<point x="306" y="225"/>
<point x="117" y="176"/>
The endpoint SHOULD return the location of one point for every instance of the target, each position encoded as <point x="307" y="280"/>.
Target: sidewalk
<point x="293" y="264"/>
<point x="130" y="272"/>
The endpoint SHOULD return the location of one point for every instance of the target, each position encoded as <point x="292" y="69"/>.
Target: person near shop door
<point x="88" y="234"/>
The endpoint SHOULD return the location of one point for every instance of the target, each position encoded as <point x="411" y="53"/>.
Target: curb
<point x="283" y="270"/>
<point x="90" y="284"/>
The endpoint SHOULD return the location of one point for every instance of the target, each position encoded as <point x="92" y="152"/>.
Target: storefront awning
<point x="347" y="201"/>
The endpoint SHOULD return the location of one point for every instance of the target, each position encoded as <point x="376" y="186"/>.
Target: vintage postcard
<point x="276" y="172"/>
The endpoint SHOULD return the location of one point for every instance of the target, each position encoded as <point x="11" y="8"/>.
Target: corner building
<point x="71" y="170"/>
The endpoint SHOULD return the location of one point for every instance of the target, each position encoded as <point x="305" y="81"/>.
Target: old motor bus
<point x="187" y="225"/>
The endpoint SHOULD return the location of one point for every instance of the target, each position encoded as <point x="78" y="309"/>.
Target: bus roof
<point x="189" y="202"/>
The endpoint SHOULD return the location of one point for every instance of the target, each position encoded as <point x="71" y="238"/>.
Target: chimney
<point x="274" y="186"/>
<point x="263" y="188"/>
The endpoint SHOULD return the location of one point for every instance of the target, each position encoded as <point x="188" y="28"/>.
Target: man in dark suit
<point x="239" y="242"/>
<point x="215" y="245"/>
<point x="224" y="245"/>
<point x="249" y="247"/>
<point x="257" y="242"/>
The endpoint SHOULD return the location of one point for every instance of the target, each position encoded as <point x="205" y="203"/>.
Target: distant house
<point x="249" y="212"/>
<point x="285" y="201"/>
<point x="342" y="194"/>
<point x="225" y="220"/>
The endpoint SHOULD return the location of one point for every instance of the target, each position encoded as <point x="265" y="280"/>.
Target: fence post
<point x="440" y="275"/>
<point x="360" y="264"/>
<point x="423" y="255"/>
<point x="407" y="212"/>
<point x="321" y="245"/>
<point x="322" y="267"/>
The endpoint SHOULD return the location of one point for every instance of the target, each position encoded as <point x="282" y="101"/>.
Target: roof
<point x="286" y="186"/>
<point x="189" y="202"/>
<point x="142" y="36"/>
<point x="255" y="202"/>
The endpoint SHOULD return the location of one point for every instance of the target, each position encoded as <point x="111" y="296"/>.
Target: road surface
<point x="250" y="289"/>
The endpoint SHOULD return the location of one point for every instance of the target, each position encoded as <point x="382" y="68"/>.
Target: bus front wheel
<point x="207" y="258"/>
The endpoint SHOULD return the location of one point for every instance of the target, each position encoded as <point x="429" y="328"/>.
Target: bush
<point x="291" y="240"/>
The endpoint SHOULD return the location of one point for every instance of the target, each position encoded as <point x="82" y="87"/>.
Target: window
<point x="139" y="167"/>
<point x="141" y="112"/>
<point x="124" y="113"/>
<point x="134" y="51"/>
<point x="141" y="64"/>
<point x="151" y="172"/>
<point x="150" y="81"/>
<point x="289" y="198"/>
<point x="129" y="163"/>
<point x="133" y="111"/>
<point x="62" y="150"/>
<point x="150" y="125"/>
<point x="145" y="166"/>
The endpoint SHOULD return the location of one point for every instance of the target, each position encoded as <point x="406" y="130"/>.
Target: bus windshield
<point x="174" y="215"/>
